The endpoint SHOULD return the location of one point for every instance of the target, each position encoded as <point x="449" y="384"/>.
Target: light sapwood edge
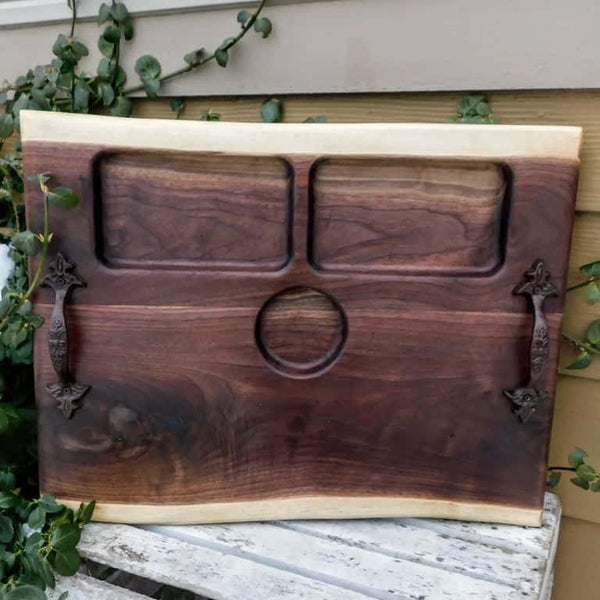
<point x="343" y="139"/>
<point x="310" y="507"/>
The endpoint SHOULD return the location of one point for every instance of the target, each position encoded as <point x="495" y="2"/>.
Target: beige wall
<point x="361" y="46"/>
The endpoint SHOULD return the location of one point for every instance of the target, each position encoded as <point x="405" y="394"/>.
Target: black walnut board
<point x="301" y="321"/>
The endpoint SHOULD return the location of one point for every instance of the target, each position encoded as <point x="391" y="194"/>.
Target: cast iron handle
<point x="67" y="392"/>
<point x="538" y="287"/>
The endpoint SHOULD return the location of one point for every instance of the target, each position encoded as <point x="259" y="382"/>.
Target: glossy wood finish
<point x="186" y="408"/>
<point x="375" y="215"/>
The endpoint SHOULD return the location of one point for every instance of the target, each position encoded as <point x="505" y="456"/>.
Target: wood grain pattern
<point x="373" y="215"/>
<point x="188" y="411"/>
<point x="189" y="211"/>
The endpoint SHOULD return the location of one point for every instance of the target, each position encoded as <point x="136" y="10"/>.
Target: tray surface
<point x="303" y="321"/>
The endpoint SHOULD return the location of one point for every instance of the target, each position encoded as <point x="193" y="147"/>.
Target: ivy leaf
<point x="79" y="48"/>
<point x="105" y="68"/>
<point x="64" y="198"/>
<point x="34" y="542"/>
<point x="222" y="57"/>
<point x="103" y="13"/>
<point x="122" y="107"/>
<point x="576" y="458"/>
<point x="7" y="529"/>
<point x="271" y="110"/>
<point x="65" y="537"/>
<point x="483" y="109"/>
<point x="586" y="472"/>
<point x="37" y="517"/>
<point x="86" y="511"/>
<point x="66" y="562"/>
<point x="593" y="333"/>
<point x="6" y="125"/>
<point x="81" y="99"/>
<point x="111" y="34"/>
<point x="591" y="269"/>
<point x="243" y="16"/>
<point x="26" y="242"/>
<point x="316" y="119"/>
<point x="50" y="504"/>
<point x="554" y="479"/>
<point x="152" y="87"/>
<point x="107" y="49"/>
<point x="209" y="115"/>
<point x="592" y="292"/>
<point x="147" y="67"/>
<point x="263" y="26"/>
<point x="583" y="360"/>
<point x="584" y="485"/>
<point x="195" y="56"/>
<point x="119" y="12"/>
<point x="7" y="481"/>
<point x="25" y="592"/>
<point x="107" y="93"/>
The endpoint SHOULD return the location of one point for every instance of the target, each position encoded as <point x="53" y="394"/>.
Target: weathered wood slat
<point x="384" y="559"/>
<point x="534" y="541"/>
<point x="203" y="570"/>
<point x="82" y="587"/>
<point x="374" y="573"/>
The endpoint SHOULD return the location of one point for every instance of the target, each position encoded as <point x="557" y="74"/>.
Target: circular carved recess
<point x="301" y="332"/>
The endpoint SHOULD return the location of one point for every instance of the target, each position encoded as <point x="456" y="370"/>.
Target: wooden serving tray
<point x="300" y="321"/>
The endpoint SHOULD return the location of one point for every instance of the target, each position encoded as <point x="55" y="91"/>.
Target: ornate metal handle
<point x="538" y="287"/>
<point x="65" y="391"/>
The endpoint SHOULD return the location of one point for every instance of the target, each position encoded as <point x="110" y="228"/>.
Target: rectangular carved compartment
<point x="399" y="215"/>
<point x="302" y="321"/>
<point x="183" y="210"/>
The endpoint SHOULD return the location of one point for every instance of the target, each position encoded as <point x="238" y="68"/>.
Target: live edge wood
<point x="290" y="329"/>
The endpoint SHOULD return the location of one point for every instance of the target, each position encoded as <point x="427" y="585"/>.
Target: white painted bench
<point x="328" y="560"/>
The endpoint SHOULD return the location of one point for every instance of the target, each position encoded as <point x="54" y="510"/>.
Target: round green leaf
<point x="152" y="87"/>
<point x="193" y="57"/>
<point x="26" y="242"/>
<point x="483" y="109"/>
<point x="222" y="57"/>
<point x="50" y="504"/>
<point x="593" y="333"/>
<point x="128" y="30"/>
<point x="271" y="111"/>
<point x="583" y="360"/>
<point x="263" y="26"/>
<point x="66" y="562"/>
<point x="147" y="67"/>
<point x="108" y="94"/>
<point x="591" y="269"/>
<point x="584" y="485"/>
<point x="122" y="107"/>
<point x="64" y="198"/>
<point x="592" y="292"/>
<point x="7" y="529"/>
<point x="576" y="457"/>
<point x="111" y="34"/>
<point x="119" y="12"/>
<point x="554" y="479"/>
<point x="243" y="16"/>
<point x="586" y="472"/>
<point x="6" y="125"/>
<point x="103" y="13"/>
<point x="37" y="517"/>
<point x="65" y="537"/>
<point x="25" y="592"/>
<point x="106" y="48"/>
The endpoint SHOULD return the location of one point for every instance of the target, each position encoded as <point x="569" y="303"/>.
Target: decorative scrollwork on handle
<point x="67" y="392"/>
<point x="538" y="287"/>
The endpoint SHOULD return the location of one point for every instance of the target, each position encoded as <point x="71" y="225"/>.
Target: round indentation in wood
<point x="301" y="331"/>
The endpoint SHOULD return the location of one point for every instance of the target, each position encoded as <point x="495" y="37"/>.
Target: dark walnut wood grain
<point x="192" y="211"/>
<point x="372" y="364"/>
<point x="399" y="215"/>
